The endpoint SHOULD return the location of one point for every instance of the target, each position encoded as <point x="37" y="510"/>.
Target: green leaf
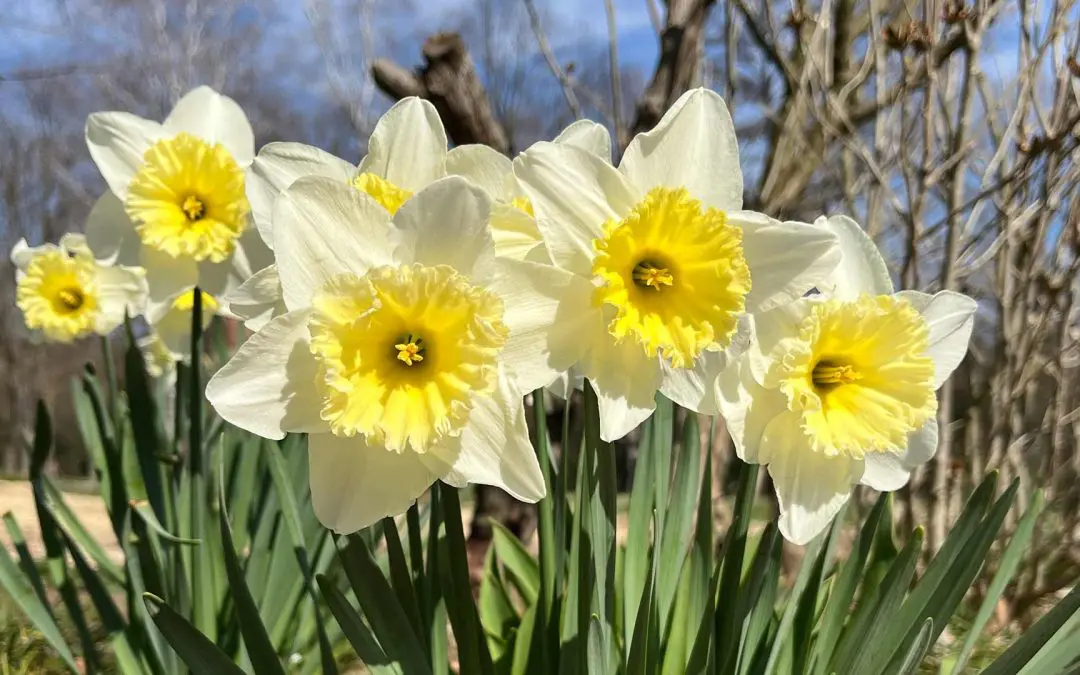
<point x="645" y="646"/>
<point x="519" y="563"/>
<point x="846" y="581"/>
<point x="917" y="650"/>
<point x="260" y="649"/>
<point x="146" y="514"/>
<point x="599" y="520"/>
<point x="758" y="596"/>
<point x="380" y="606"/>
<point x="680" y="519"/>
<point x="863" y="643"/>
<point x="497" y="614"/>
<point x="31" y="606"/>
<point x="523" y="645"/>
<point x="472" y="648"/>
<point x="1029" y="644"/>
<point x="400" y="578"/>
<point x="727" y="624"/>
<point x="145" y="424"/>
<point x="356" y="631"/>
<point x="596" y="652"/>
<point x="198" y="652"/>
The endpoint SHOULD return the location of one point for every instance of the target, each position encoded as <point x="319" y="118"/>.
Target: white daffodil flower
<point x="170" y="321"/>
<point x="66" y="294"/>
<point x="838" y="388"/>
<point x="176" y="204"/>
<point x="403" y="353"/>
<point x="664" y="265"/>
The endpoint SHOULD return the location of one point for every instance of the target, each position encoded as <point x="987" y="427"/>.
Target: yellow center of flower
<point x="859" y="374"/>
<point x="57" y="296"/>
<point x="390" y="196"/>
<point x="523" y="204"/>
<point x="675" y="273"/>
<point x="403" y="351"/>
<point x="188" y="200"/>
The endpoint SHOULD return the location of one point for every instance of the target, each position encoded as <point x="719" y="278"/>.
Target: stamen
<point x="650" y="274"/>
<point x="193" y="208"/>
<point x="829" y="375"/>
<point x="410" y="351"/>
<point x="71" y="298"/>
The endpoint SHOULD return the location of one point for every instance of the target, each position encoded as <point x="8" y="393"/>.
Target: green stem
<point x="202" y="575"/>
<point x="110" y="377"/>
<point x="472" y="647"/>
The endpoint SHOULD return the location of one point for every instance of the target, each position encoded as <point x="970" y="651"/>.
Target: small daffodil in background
<point x="403" y="353"/>
<point x="170" y="321"/>
<point x="839" y="388"/>
<point x="176" y="204"/>
<point x="664" y="265"/>
<point x="66" y="294"/>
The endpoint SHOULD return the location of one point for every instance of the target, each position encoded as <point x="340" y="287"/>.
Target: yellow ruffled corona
<point x="859" y="374"/>
<point x="187" y="199"/>
<point x="402" y="350"/>
<point x="675" y="273"/>
<point x="58" y="296"/>
<point x="390" y="196"/>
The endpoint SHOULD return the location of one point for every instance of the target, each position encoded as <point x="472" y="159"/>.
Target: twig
<point x="549" y="56"/>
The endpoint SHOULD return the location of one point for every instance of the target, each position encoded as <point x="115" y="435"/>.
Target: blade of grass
<point x="198" y="652"/>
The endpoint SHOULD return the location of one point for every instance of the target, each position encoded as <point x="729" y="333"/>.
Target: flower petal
<point x="258" y="299"/>
<point x="810" y="486"/>
<point x="485" y="168"/>
<point x="625" y="381"/>
<point x="121" y="292"/>
<point x="515" y="234"/>
<point x="110" y="233"/>
<point x="277" y="167"/>
<point x="23" y="254"/>
<point x="268" y="386"/>
<point x="786" y="259"/>
<point x="591" y="137"/>
<point x="950" y="316"/>
<point x="884" y="472"/>
<point x="747" y="409"/>
<point x="117" y="142"/>
<point x="494" y="447"/>
<point x="408" y="145"/>
<point x="166" y="276"/>
<point x="573" y="194"/>
<point x="770" y="328"/>
<point x="446" y="223"/>
<point x="548" y="311"/>
<point x="922" y="445"/>
<point x="214" y="118"/>
<point x="354" y="484"/>
<point x="693" y="146"/>
<point x="323" y="228"/>
<point x="695" y="388"/>
<point x="861" y="269"/>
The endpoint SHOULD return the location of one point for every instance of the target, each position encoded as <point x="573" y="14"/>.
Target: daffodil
<point x="176" y="204"/>
<point x="839" y="388"/>
<point x="403" y="352"/>
<point x="664" y="264"/>
<point x="170" y="321"/>
<point x="66" y="294"/>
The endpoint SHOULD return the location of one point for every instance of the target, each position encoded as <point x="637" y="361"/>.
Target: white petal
<point x="884" y="472"/>
<point x="166" y="276"/>
<point x="494" y="447"/>
<point x="786" y="259"/>
<point x="268" y="386"/>
<point x="950" y="316"/>
<point x="117" y="141"/>
<point x="110" y="233"/>
<point x="810" y="486"/>
<point x="323" y="228"/>
<point x="74" y="243"/>
<point x="693" y="146"/>
<point x="218" y="279"/>
<point x="695" y="388"/>
<point x="121" y="292"/>
<point x="747" y="409"/>
<point x="485" y="168"/>
<point x="23" y="254"/>
<point x="354" y="484"/>
<point x="626" y="382"/>
<point x="278" y="166"/>
<point x="589" y="136"/>
<point x="515" y="233"/>
<point x="861" y="269"/>
<point x="173" y="326"/>
<point x="408" y="145"/>
<point x="564" y="385"/>
<point x="770" y="328"/>
<point x="446" y="223"/>
<point x="214" y="118"/>
<point x="922" y="445"/>
<point x="573" y="194"/>
<point x="549" y="313"/>
<point x="258" y="299"/>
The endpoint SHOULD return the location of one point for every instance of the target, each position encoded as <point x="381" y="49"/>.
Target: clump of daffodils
<point x="402" y="307"/>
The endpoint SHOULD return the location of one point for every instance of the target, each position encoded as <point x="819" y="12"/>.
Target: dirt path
<point x="16" y="497"/>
